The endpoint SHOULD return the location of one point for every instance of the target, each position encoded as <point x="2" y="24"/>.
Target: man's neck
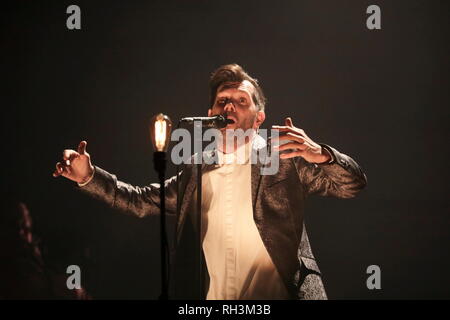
<point x="233" y="144"/>
<point x="236" y="153"/>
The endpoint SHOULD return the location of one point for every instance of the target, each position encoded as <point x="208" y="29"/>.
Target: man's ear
<point x="209" y="112"/>
<point x="260" y="117"/>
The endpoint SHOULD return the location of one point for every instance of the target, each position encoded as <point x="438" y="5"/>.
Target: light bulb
<point x="160" y="130"/>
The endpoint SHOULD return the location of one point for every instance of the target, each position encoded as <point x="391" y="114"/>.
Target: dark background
<point x="380" y="96"/>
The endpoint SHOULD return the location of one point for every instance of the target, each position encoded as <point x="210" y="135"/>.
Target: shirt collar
<point x="240" y="156"/>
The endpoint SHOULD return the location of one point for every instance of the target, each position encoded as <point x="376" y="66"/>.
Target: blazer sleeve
<point x="342" y="178"/>
<point x="137" y="201"/>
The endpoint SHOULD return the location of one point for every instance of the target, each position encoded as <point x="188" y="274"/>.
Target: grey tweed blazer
<point x="278" y="211"/>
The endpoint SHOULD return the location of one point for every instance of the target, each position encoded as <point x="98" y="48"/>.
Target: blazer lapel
<point x="256" y="182"/>
<point x="190" y="181"/>
<point x="258" y="144"/>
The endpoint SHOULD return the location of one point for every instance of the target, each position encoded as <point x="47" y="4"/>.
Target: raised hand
<point x="300" y="144"/>
<point x="75" y="166"/>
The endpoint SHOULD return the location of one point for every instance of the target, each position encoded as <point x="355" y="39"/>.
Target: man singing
<point x="254" y="240"/>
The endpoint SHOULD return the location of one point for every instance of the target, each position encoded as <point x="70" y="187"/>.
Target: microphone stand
<point x="198" y="126"/>
<point x="199" y="122"/>
<point x="198" y="167"/>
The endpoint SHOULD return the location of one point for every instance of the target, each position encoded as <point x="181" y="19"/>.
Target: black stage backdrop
<point x="381" y="96"/>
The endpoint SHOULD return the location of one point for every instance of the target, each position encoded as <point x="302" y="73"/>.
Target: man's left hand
<point x="299" y="144"/>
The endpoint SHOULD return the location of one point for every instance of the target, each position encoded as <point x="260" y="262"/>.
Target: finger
<point x="288" y="122"/>
<point x="82" y="147"/>
<point x="58" y="170"/>
<point x="55" y="174"/>
<point x="69" y="154"/>
<point x="286" y="128"/>
<point x="67" y="171"/>
<point x="281" y="128"/>
<point x="292" y="145"/>
<point x="63" y="169"/>
<point x="292" y="154"/>
<point x="289" y="136"/>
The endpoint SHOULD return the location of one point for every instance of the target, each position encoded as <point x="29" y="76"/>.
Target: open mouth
<point x="230" y="120"/>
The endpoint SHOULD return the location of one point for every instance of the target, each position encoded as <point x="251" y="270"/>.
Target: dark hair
<point x="234" y="73"/>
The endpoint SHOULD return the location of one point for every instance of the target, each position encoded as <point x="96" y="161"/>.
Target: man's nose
<point x="229" y="106"/>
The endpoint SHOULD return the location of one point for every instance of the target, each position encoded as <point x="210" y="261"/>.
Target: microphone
<point x="218" y="121"/>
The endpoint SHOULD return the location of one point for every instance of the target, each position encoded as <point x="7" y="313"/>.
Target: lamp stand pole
<point x="159" y="161"/>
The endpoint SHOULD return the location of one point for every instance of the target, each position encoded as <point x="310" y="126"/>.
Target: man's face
<point x="236" y="103"/>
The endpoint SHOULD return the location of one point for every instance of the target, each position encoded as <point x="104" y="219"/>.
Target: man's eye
<point x="221" y="102"/>
<point x="242" y="101"/>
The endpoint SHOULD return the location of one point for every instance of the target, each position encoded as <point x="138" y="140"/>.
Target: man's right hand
<point x="75" y="166"/>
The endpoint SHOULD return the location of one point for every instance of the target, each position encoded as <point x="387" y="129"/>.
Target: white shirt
<point x="238" y="263"/>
